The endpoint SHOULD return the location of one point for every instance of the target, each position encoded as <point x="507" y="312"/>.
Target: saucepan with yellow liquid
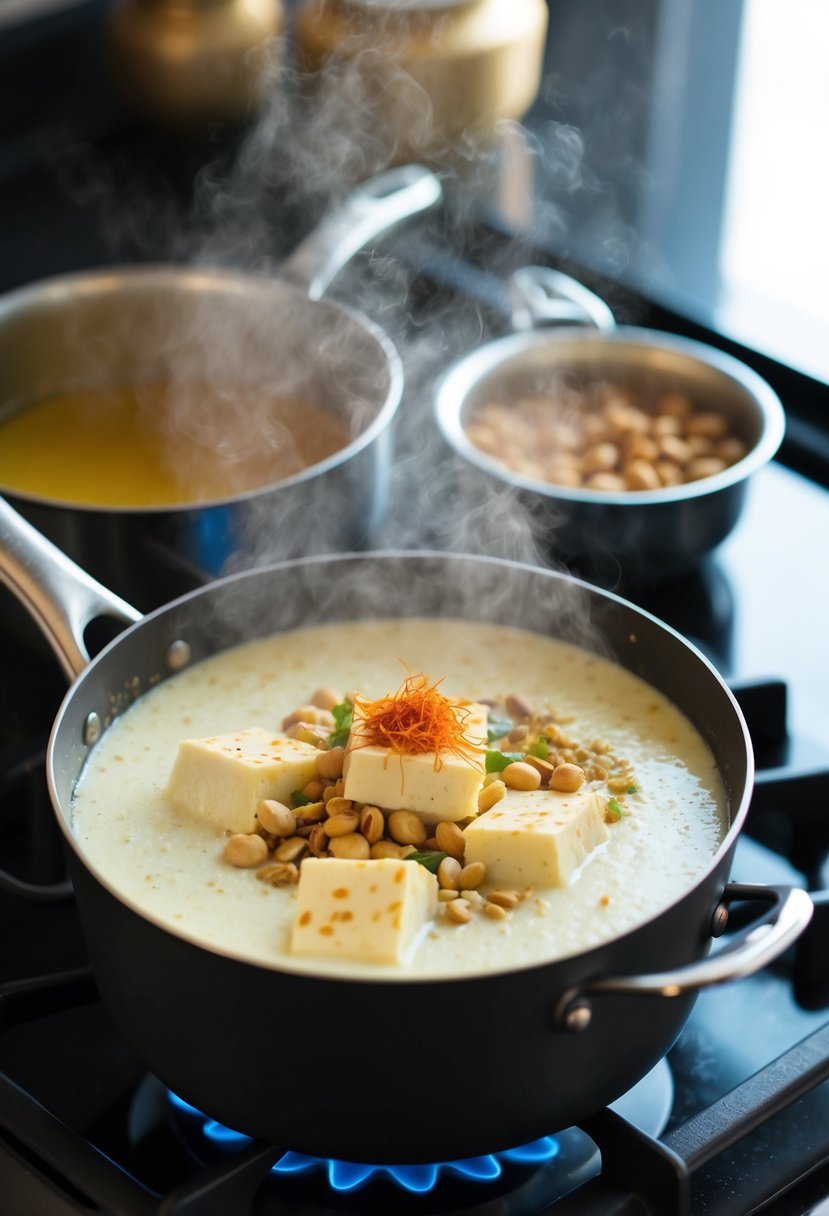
<point x="155" y="421"/>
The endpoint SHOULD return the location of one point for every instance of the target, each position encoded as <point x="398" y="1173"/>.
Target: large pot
<point x="134" y="325"/>
<point x="527" y="1051"/>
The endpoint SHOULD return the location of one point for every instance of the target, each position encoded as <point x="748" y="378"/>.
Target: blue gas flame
<point x="347" y="1176"/>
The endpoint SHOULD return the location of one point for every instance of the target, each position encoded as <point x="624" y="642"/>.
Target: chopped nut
<point x="494" y="911"/>
<point x="449" y="872"/>
<point x="354" y="847"/>
<point x="291" y="849"/>
<point x="343" y="823"/>
<point x="504" y="897"/>
<point x="330" y="763"/>
<point x="311" y="715"/>
<point x="372" y="823"/>
<point x="518" y="707"/>
<point x="279" y="874"/>
<point x="245" y="851"/>
<point x="312" y="812"/>
<point x="471" y="876"/>
<point x="406" y="828"/>
<point x="521" y="776"/>
<point x="318" y="841"/>
<point x="490" y="794"/>
<point x="387" y="848"/>
<point x="450" y="839"/>
<point x="326" y="698"/>
<point x="567" y="778"/>
<point x="276" y="818"/>
<point x="458" y="912"/>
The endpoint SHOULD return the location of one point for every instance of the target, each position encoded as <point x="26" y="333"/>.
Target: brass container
<point x="193" y="63"/>
<point x="434" y="76"/>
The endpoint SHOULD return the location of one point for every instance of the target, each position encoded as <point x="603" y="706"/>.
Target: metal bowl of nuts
<point x="631" y="449"/>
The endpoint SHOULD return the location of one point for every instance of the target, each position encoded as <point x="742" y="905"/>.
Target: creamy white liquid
<point x="172" y="870"/>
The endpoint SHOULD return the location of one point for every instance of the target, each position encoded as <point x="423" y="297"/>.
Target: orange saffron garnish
<point x="415" y="720"/>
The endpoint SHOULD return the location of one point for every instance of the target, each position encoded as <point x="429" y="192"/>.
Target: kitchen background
<point x="673" y="159"/>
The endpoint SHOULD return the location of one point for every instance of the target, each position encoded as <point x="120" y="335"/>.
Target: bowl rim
<point x="472" y="370"/>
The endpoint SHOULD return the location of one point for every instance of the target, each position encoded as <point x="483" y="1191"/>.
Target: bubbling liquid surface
<point x="171" y="868"/>
<point x="162" y="445"/>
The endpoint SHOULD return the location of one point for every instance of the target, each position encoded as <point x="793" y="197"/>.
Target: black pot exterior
<point x="633" y="544"/>
<point x="362" y="1070"/>
<point x="387" y="1072"/>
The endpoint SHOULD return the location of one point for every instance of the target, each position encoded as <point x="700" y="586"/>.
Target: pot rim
<point x="194" y="278"/>
<point x="737" y="814"/>
<point x="473" y="369"/>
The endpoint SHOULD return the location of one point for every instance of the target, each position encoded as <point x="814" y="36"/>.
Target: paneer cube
<point x="372" y="910"/>
<point x="447" y="790"/>
<point x="223" y="779"/>
<point x="536" y="838"/>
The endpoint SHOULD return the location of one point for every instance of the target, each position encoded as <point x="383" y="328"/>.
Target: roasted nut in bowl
<point x="631" y="450"/>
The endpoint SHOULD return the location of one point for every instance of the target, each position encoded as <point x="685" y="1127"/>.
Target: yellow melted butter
<point x="172" y="868"/>
<point x="162" y="445"/>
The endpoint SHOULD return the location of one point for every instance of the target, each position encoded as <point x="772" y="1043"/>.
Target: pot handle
<point x="61" y="597"/>
<point x="374" y="207"/>
<point x="757" y="946"/>
<point x="542" y="296"/>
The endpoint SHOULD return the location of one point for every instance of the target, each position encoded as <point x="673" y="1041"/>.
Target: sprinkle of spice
<point x="414" y="721"/>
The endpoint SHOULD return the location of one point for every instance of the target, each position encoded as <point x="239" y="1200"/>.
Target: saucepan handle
<point x="61" y="597"/>
<point x="373" y="208"/>
<point x="789" y="913"/>
<point x="541" y="296"/>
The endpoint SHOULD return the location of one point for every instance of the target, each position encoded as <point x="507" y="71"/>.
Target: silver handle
<point x="541" y="296"/>
<point x="62" y="598"/>
<point x="754" y="948"/>
<point x="373" y="208"/>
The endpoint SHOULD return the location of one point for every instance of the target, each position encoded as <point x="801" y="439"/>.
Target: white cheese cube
<point x="434" y="789"/>
<point x="223" y="779"/>
<point x="536" y="838"/>
<point x="373" y="910"/>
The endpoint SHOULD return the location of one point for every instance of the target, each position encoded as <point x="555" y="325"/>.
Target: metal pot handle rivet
<point x="719" y="921"/>
<point x="178" y="655"/>
<point x="92" y="728"/>
<point x="757" y="946"/>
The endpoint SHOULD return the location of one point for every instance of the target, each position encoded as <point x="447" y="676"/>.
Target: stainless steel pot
<point x="533" y="1049"/>
<point x="632" y="536"/>
<point x="139" y="324"/>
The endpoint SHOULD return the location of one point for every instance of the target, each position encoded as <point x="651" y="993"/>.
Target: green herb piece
<point x="632" y="789"/>
<point x="299" y="799"/>
<point x="614" y="808"/>
<point x="496" y="762"/>
<point x="540" y="748"/>
<point x="497" y="728"/>
<point x="430" y="860"/>
<point x="343" y="715"/>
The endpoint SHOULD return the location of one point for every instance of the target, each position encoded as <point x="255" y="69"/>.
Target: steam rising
<point x="318" y="136"/>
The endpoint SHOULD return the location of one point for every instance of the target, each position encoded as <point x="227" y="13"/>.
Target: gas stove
<point x="735" y="1120"/>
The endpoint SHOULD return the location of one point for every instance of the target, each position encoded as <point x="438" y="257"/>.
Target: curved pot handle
<point x="542" y="296"/>
<point x="757" y="946"/>
<point x="374" y="207"/>
<point x="61" y="597"/>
